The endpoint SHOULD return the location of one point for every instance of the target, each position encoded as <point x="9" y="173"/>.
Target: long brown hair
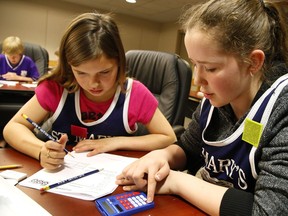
<point x="89" y="36"/>
<point x="240" y="26"/>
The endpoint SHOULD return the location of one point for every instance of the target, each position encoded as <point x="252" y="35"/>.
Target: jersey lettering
<point x="227" y="166"/>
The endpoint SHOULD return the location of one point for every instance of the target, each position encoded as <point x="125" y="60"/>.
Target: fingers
<point x="63" y="139"/>
<point x="154" y="179"/>
<point x="93" y="146"/>
<point x="51" y="159"/>
<point x="86" y="145"/>
<point x="144" y="174"/>
<point x="151" y="188"/>
<point x="138" y="176"/>
<point x="52" y="153"/>
<point x="129" y="176"/>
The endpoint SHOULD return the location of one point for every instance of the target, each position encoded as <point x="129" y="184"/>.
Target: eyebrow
<point x="76" y="70"/>
<point x="203" y="62"/>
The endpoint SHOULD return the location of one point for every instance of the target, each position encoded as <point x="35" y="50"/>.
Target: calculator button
<point x="143" y="198"/>
<point x="136" y="193"/>
<point x="129" y="207"/>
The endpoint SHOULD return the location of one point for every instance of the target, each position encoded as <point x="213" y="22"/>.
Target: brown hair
<point x="240" y="26"/>
<point x="89" y="36"/>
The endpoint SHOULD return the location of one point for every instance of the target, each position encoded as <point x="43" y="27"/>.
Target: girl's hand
<point x="144" y="174"/>
<point x="95" y="146"/>
<point x="52" y="153"/>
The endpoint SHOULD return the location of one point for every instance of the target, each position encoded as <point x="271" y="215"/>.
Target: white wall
<point x="44" y="22"/>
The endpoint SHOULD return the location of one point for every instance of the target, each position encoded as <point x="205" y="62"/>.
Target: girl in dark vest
<point x="87" y="101"/>
<point x="238" y="136"/>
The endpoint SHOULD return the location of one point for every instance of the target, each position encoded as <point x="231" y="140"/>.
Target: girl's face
<point x="98" y="78"/>
<point x="222" y="79"/>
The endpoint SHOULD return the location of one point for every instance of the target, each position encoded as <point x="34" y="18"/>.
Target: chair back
<point x="38" y="54"/>
<point x="167" y="76"/>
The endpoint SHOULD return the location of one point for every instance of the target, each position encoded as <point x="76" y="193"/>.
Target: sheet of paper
<point x="9" y="83"/>
<point x="88" y="188"/>
<point x="14" y="202"/>
<point x="29" y="85"/>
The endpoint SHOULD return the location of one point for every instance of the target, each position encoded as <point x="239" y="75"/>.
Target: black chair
<point x="38" y="54"/>
<point x="168" y="77"/>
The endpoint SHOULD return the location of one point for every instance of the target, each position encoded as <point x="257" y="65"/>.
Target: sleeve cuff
<point x="236" y="202"/>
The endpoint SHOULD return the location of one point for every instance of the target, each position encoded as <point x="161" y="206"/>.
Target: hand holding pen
<point x="44" y="132"/>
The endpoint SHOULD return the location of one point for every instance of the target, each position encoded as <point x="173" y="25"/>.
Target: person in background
<point x="89" y="101"/>
<point x="238" y="136"/>
<point x="14" y="65"/>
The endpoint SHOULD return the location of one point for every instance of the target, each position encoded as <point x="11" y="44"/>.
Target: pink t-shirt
<point x="141" y="109"/>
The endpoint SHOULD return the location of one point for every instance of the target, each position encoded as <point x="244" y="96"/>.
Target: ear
<point x="257" y="58"/>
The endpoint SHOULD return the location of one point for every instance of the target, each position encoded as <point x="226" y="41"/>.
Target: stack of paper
<point x="9" y="83"/>
<point x="13" y="177"/>
<point x="29" y="85"/>
<point x="14" y="202"/>
<point x="87" y="188"/>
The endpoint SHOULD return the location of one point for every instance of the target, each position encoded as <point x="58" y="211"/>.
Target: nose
<point x="94" y="80"/>
<point x="199" y="78"/>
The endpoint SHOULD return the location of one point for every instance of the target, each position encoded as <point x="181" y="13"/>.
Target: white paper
<point x="14" y="202"/>
<point x="12" y="174"/>
<point x="29" y="85"/>
<point x="87" y="188"/>
<point x="9" y="83"/>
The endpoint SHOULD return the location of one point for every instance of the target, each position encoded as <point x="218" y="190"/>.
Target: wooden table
<point x="18" y="88"/>
<point x="62" y="205"/>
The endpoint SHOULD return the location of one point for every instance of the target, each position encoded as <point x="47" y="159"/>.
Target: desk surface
<point x="19" y="87"/>
<point x="62" y="205"/>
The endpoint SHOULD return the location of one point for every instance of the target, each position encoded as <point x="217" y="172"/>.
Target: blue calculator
<point x="127" y="203"/>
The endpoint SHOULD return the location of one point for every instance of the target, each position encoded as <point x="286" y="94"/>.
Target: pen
<point x="45" y="188"/>
<point x="10" y="166"/>
<point x="43" y="131"/>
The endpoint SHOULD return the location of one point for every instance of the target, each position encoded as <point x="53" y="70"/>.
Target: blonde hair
<point x="12" y="45"/>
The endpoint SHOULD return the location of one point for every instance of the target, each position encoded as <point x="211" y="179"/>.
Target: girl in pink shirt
<point x="87" y="101"/>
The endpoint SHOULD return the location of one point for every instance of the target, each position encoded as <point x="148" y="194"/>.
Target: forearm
<point x="25" y="79"/>
<point x="25" y="142"/>
<point x="200" y="193"/>
<point x="142" y="143"/>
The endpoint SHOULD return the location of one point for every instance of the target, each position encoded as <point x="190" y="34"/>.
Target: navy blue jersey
<point x="68" y="117"/>
<point x="231" y="162"/>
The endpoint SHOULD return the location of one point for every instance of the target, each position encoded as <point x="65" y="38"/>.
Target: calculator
<point x="127" y="203"/>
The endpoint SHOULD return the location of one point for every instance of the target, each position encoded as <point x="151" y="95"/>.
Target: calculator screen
<point x="107" y="207"/>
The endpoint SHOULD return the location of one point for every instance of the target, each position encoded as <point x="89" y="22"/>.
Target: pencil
<point x="43" y="131"/>
<point x="10" y="166"/>
<point x="45" y="188"/>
